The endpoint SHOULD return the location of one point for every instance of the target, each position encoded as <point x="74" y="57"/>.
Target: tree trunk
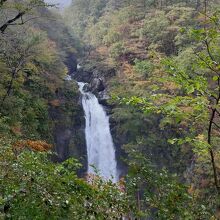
<point x="9" y="86"/>
<point x="211" y="150"/>
<point x="11" y="21"/>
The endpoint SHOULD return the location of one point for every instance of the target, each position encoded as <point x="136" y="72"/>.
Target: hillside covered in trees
<point x="153" y="66"/>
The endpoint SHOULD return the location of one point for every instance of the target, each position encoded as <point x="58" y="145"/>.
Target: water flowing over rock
<point x="100" y="147"/>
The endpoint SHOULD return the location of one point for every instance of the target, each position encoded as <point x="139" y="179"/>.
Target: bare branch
<point x="20" y="14"/>
<point x="9" y="22"/>
<point x="23" y="22"/>
<point x="207" y="64"/>
<point x="209" y="51"/>
<point x="216" y="125"/>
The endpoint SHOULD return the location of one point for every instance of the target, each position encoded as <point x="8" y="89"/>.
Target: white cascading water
<point x="100" y="147"/>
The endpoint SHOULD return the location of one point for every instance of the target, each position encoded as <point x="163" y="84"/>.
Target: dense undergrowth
<point x="165" y="97"/>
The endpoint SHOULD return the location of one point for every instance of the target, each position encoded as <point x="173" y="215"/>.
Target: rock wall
<point x="68" y="125"/>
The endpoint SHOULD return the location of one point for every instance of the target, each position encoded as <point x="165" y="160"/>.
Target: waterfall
<point x="100" y="147"/>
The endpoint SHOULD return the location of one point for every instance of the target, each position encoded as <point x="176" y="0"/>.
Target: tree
<point x="18" y="48"/>
<point x="31" y="186"/>
<point x="203" y="81"/>
<point x="19" y="12"/>
<point x="196" y="72"/>
<point x="157" y="194"/>
<point x="209" y="60"/>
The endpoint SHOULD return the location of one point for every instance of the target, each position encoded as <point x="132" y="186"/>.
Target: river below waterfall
<point x="100" y="147"/>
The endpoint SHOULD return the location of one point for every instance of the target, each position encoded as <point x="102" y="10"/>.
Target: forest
<point x="110" y="109"/>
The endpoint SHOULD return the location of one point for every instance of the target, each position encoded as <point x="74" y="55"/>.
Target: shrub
<point x="32" y="187"/>
<point x="143" y="67"/>
<point x="117" y="50"/>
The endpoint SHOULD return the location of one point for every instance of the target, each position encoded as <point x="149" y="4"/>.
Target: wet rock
<point x="103" y="97"/>
<point x="87" y="88"/>
<point x="97" y="85"/>
<point x="68" y="125"/>
<point x="83" y="76"/>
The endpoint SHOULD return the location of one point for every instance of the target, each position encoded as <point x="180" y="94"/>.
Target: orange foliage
<point x="103" y="51"/>
<point x="55" y="102"/>
<point x="121" y="185"/>
<point x="170" y="86"/>
<point x="191" y="189"/>
<point x="127" y="70"/>
<point x="186" y="109"/>
<point x="32" y="145"/>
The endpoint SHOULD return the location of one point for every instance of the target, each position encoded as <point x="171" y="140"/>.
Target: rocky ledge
<point x="97" y="82"/>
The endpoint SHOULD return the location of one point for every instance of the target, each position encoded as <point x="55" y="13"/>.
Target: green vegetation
<point x="33" y="187"/>
<point x="161" y="64"/>
<point x="143" y="67"/>
<point x="165" y="98"/>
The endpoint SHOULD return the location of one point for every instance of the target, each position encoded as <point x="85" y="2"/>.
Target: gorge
<point x="109" y="109"/>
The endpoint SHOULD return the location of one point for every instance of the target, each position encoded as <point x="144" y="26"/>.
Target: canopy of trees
<point x="161" y="64"/>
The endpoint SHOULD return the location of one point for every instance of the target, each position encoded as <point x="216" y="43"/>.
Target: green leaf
<point x="215" y="78"/>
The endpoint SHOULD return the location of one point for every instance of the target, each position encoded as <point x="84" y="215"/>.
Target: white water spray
<point x="100" y="147"/>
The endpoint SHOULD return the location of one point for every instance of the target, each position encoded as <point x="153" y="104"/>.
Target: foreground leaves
<point x="31" y="186"/>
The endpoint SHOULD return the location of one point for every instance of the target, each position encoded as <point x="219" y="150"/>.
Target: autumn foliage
<point x="40" y="146"/>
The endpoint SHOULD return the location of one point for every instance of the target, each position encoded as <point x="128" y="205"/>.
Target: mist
<point x="61" y="3"/>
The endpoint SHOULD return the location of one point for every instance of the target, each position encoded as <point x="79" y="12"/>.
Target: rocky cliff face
<point x="97" y="81"/>
<point x="68" y="119"/>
